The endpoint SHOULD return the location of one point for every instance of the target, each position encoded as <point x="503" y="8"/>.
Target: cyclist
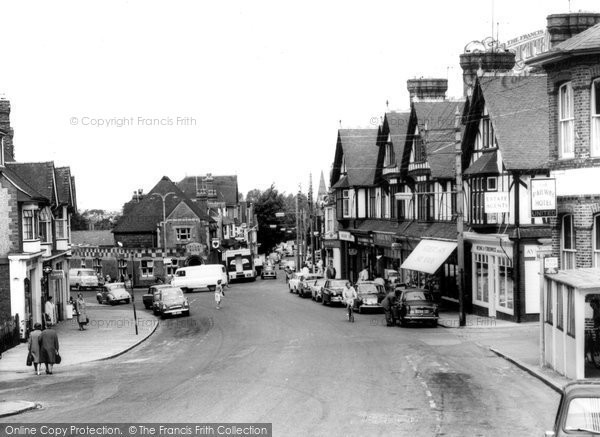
<point x="349" y="294"/>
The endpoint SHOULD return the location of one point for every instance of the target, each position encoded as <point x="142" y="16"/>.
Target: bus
<point x="239" y="264"/>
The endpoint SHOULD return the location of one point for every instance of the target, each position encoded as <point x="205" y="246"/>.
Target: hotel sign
<point x="496" y="202"/>
<point x="543" y="197"/>
<point x="528" y="46"/>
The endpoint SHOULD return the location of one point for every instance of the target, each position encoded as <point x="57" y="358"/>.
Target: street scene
<point x="328" y="219"/>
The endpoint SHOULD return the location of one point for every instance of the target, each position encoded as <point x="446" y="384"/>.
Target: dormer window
<point x="390" y="158"/>
<point x="343" y="170"/>
<point x="595" y="128"/>
<point x="418" y="149"/>
<point x="566" y="122"/>
<point x="488" y="138"/>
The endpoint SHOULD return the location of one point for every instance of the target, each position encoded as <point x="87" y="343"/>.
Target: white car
<point x="83" y="278"/>
<point x="294" y="282"/>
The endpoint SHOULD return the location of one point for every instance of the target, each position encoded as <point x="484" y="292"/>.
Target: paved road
<point x="270" y="356"/>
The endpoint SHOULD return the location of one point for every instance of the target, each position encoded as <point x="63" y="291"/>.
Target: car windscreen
<point x="583" y="414"/>
<point x="172" y="293"/>
<point x="417" y="295"/>
<point x="367" y="289"/>
<point x="337" y="284"/>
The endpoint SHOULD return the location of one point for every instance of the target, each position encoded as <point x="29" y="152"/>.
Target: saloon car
<point x="304" y="284"/>
<point x="148" y="297"/>
<point x="268" y="272"/>
<point x="578" y="410"/>
<point x="170" y="301"/>
<point x="316" y="289"/>
<point x="417" y="305"/>
<point x="113" y="293"/>
<point x="369" y="297"/>
<point x="332" y="291"/>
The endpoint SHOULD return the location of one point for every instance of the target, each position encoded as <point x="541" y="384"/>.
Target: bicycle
<point x="350" y="306"/>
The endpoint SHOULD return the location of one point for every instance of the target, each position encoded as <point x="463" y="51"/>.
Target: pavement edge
<point x="124" y="351"/>
<point x="527" y="368"/>
<point x="27" y="406"/>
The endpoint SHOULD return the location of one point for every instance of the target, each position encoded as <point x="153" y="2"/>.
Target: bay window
<point x="566" y="122"/>
<point x="345" y="203"/>
<point x="45" y="226"/>
<point x="30" y="224"/>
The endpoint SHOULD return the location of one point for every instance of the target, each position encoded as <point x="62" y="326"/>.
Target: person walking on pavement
<point x="82" y="317"/>
<point x="48" y="341"/>
<point x="363" y="275"/>
<point x="388" y="303"/>
<point x="50" y="312"/>
<point x="219" y="294"/>
<point x="34" y="346"/>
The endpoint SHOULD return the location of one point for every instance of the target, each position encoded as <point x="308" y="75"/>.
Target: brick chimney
<point x="561" y="27"/>
<point x="9" y="151"/>
<point x="484" y="62"/>
<point x="427" y="89"/>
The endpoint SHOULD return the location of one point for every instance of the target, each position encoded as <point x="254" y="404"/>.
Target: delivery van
<point x="83" y="278"/>
<point x="202" y="277"/>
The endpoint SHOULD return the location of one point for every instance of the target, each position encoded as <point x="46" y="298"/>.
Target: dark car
<point x="578" y="410"/>
<point x="304" y="289"/>
<point x="148" y="297"/>
<point x="170" y="301"/>
<point x="268" y="272"/>
<point x="417" y="305"/>
<point x="370" y="295"/>
<point x="316" y="289"/>
<point x="332" y="291"/>
<point x="113" y="294"/>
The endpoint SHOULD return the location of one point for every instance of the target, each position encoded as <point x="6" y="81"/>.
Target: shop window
<point x="549" y="303"/>
<point x="481" y="278"/>
<point x="596" y="242"/>
<point x="566" y="121"/>
<point x="559" y="307"/>
<point x="595" y="128"/>
<point x="505" y="284"/>
<point x="570" y="311"/>
<point x="147" y="266"/>
<point x="567" y="243"/>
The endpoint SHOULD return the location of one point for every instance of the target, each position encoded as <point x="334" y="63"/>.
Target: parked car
<point x="148" y="297"/>
<point x="304" y="287"/>
<point x="370" y="295"/>
<point x="578" y="410"/>
<point x="294" y="282"/>
<point x="316" y="289"/>
<point x="282" y="264"/>
<point x="268" y="272"/>
<point x="202" y="277"/>
<point x="417" y="305"/>
<point x="113" y="294"/>
<point x="83" y="279"/>
<point x="170" y="301"/>
<point x="332" y="291"/>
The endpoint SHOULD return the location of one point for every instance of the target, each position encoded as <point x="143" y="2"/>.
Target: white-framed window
<point x="45" y="226"/>
<point x="488" y="138"/>
<point x="147" y="267"/>
<point x="345" y="203"/>
<point x="566" y="122"/>
<point x="329" y="220"/>
<point x="492" y="183"/>
<point x="570" y="311"/>
<point x="60" y="221"/>
<point x="559" y="307"/>
<point x="175" y="264"/>
<point x="595" y="122"/>
<point x="30" y="224"/>
<point x="183" y="234"/>
<point x="596" y="242"/>
<point x="122" y="268"/>
<point x="390" y="158"/>
<point x="505" y="284"/>
<point x="567" y="243"/>
<point x="481" y="277"/>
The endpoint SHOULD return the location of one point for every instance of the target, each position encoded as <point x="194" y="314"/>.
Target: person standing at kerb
<point x="219" y="294"/>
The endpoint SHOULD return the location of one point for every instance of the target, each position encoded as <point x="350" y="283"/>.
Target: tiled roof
<point x="148" y="213"/>
<point x="441" y="155"/>
<point x="518" y="109"/>
<point x="360" y="152"/>
<point x="38" y="175"/>
<point x="437" y="115"/>
<point x="584" y="42"/>
<point x="397" y="123"/>
<point x="92" y="238"/>
<point x="225" y="186"/>
<point x="26" y="192"/>
<point x="486" y="164"/>
<point x="411" y="228"/>
<point x="342" y="183"/>
<point x="63" y="185"/>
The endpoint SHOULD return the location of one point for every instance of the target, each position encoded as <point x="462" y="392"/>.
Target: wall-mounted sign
<point x="506" y="250"/>
<point x="215" y="243"/>
<point x="332" y="243"/>
<point x="352" y="252"/>
<point x="496" y="202"/>
<point x="346" y="236"/>
<point x="543" y="197"/>
<point x="384" y="240"/>
<point x="551" y="265"/>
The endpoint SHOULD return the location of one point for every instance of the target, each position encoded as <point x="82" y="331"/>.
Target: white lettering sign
<point x="543" y="197"/>
<point x="496" y="202"/>
<point x="346" y="236"/>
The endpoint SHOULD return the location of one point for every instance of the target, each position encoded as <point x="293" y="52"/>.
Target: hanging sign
<point x="543" y="197"/>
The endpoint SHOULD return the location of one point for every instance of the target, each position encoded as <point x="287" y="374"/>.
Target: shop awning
<point x="429" y="255"/>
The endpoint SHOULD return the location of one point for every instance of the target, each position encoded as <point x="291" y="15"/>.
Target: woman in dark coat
<point x="81" y="311"/>
<point x="48" y="349"/>
<point x="34" y="346"/>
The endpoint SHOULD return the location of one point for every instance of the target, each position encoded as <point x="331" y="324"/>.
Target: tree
<point x="253" y="195"/>
<point x="79" y="222"/>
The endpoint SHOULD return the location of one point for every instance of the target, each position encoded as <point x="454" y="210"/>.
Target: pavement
<point x="110" y="333"/>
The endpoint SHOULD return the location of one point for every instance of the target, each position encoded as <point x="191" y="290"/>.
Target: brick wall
<point x="5" y="312"/>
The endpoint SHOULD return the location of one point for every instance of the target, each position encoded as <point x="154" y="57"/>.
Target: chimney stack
<point x="561" y="27"/>
<point x="9" y="151"/>
<point x="427" y="89"/>
<point x="483" y="62"/>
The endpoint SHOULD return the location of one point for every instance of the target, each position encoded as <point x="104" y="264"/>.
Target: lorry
<point x="239" y="264"/>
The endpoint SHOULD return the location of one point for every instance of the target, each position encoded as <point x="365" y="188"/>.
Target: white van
<point x="199" y="277"/>
<point x="83" y="278"/>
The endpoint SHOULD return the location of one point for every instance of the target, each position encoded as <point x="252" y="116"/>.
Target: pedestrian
<point x="330" y="272"/>
<point x="388" y="303"/>
<point x="108" y="279"/>
<point x="82" y="317"/>
<point x="34" y="346"/>
<point x="379" y="280"/>
<point x="363" y="275"/>
<point x="50" y="312"/>
<point x="305" y="270"/>
<point x="48" y="341"/>
<point x="219" y="294"/>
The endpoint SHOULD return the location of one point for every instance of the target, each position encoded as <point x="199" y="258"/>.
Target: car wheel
<point x="155" y="312"/>
<point x="186" y="314"/>
<point x="127" y="300"/>
<point x="434" y="324"/>
<point x="323" y="302"/>
<point x="99" y="300"/>
<point x="112" y="302"/>
<point x="163" y="316"/>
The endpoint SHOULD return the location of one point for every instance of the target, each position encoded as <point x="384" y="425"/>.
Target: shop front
<point x="426" y="265"/>
<point x="26" y="300"/>
<point x="333" y="255"/>
<point x="384" y="254"/>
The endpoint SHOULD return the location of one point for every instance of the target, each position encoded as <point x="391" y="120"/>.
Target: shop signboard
<point x="550" y="265"/>
<point x="330" y="244"/>
<point x="543" y="197"/>
<point x="346" y="236"/>
<point x="496" y="202"/>
<point x="384" y="240"/>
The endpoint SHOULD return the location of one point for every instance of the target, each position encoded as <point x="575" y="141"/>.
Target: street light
<point x="164" y="198"/>
<point x="132" y="291"/>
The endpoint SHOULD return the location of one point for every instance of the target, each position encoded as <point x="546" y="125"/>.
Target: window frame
<point x="147" y="268"/>
<point x="595" y="119"/>
<point x="179" y="231"/>
<point x="30" y="225"/>
<point x="566" y="122"/>
<point x="345" y="203"/>
<point x="596" y="241"/>
<point x="567" y="254"/>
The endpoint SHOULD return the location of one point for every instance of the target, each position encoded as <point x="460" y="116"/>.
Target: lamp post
<point x="460" y="255"/>
<point x="132" y="290"/>
<point x="164" y="198"/>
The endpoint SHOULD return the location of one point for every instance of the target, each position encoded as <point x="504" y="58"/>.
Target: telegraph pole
<point x="297" y="233"/>
<point x="460" y="255"/>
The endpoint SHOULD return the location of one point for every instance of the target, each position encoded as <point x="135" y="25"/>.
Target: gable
<point x="182" y="212"/>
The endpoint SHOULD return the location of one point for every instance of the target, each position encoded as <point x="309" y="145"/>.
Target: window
<point x="343" y="170"/>
<point x="492" y="184"/>
<point x="122" y="269"/>
<point x="570" y="312"/>
<point x="479" y="186"/>
<point x="345" y="203"/>
<point x="393" y="202"/>
<point x="183" y="234"/>
<point x="481" y="279"/>
<point x="424" y="201"/>
<point x="61" y="223"/>
<point x="595" y="127"/>
<point x="30" y="224"/>
<point x="549" y="303"/>
<point x="567" y="243"/>
<point x="559" y="307"/>
<point x="419" y="150"/>
<point x="173" y="266"/>
<point x="372" y="198"/>
<point x="97" y="265"/>
<point x="505" y="284"/>
<point x="390" y="158"/>
<point x="45" y="226"/>
<point x="329" y="222"/>
<point x="488" y="139"/>
<point x="596" y="242"/>
<point x="566" y="121"/>
<point x="147" y="267"/>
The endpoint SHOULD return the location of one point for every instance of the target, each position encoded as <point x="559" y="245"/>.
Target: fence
<point x="9" y="333"/>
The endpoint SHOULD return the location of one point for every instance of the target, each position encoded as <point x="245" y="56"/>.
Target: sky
<point x="125" y="92"/>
